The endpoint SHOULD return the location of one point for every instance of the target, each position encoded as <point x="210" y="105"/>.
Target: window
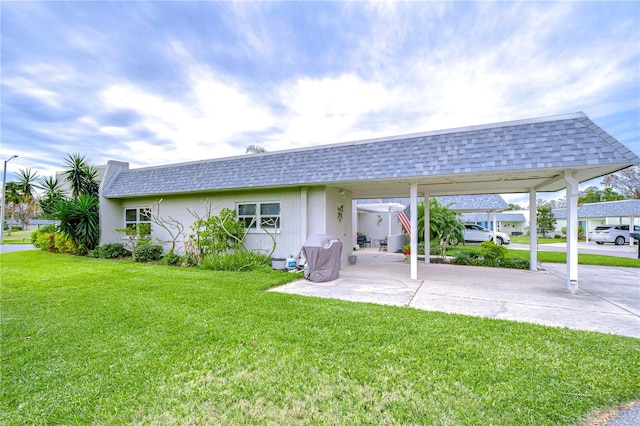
<point x="138" y="215"/>
<point x="260" y="215"/>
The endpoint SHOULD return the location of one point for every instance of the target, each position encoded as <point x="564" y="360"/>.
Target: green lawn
<point x="91" y="341"/>
<point x="525" y="240"/>
<point x="559" y="257"/>
<point x="17" y="237"/>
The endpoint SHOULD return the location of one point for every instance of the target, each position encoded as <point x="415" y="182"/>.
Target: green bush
<point x="49" y="229"/>
<point x="435" y="248"/>
<point x="516" y="263"/>
<point x="64" y="244"/>
<point x="173" y="259"/>
<point x="467" y="258"/>
<point x="239" y="261"/>
<point x="110" y="251"/>
<point x="493" y="252"/>
<point x="144" y="251"/>
<point x="46" y="242"/>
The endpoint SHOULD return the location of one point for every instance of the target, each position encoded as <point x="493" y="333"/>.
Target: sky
<point x="155" y="83"/>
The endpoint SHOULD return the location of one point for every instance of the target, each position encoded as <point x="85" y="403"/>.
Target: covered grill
<point x="322" y="253"/>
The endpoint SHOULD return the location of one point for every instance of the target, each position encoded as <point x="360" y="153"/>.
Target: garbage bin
<point x="322" y="253"/>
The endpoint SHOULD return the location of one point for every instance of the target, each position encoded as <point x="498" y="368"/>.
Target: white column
<point x="495" y="225"/>
<point x="572" y="231"/>
<point x="427" y="230"/>
<point x="354" y="223"/>
<point x="414" y="231"/>
<point x="533" y="231"/>
<point x="304" y="215"/>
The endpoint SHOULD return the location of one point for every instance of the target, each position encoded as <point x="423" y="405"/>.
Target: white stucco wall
<point x="321" y="216"/>
<point x="375" y="229"/>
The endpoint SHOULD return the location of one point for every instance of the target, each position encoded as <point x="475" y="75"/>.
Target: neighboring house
<point x="591" y="215"/>
<point x="311" y="190"/>
<point x="510" y="223"/>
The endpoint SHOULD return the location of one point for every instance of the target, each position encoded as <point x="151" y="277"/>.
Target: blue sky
<point x="163" y="82"/>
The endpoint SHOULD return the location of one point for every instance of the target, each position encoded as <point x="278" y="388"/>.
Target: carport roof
<point x="499" y="158"/>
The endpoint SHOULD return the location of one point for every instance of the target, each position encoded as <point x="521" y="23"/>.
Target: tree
<point x="255" y="149"/>
<point x="445" y="225"/>
<point x="625" y="182"/>
<point x="81" y="175"/>
<point x="12" y="197"/>
<point x="79" y="217"/>
<point x="545" y="219"/>
<point x="53" y="194"/>
<point x="596" y="195"/>
<point x="27" y="184"/>
<point x="513" y="206"/>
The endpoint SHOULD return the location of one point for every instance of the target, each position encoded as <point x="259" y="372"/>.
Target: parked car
<point x="476" y="234"/>
<point x="616" y="234"/>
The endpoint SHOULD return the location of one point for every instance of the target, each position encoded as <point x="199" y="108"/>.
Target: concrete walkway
<point x="10" y="248"/>
<point x="608" y="300"/>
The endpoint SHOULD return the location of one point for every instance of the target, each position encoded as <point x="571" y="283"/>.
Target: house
<point x="310" y="190"/>
<point x="591" y="215"/>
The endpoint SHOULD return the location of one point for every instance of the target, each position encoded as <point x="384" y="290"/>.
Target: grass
<point x="92" y="341"/>
<point x="560" y="257"/>
<point x="17" y="237"/>
<point x="525" y="240"/>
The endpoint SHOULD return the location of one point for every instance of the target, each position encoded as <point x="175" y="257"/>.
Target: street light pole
<point x="3" y="195"/>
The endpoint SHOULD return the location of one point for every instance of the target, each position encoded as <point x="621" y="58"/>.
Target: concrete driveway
<point x="608" y="300"/>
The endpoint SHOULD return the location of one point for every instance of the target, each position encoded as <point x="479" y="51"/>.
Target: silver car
<point x="617" y="234"/>
<point x="477" y="234"/>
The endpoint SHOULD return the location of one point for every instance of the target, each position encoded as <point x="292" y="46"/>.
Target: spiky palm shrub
<point x="79" y="220"/>
<point x="52" y="195"/>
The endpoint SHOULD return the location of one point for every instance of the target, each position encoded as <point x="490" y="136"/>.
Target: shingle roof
<point x="474" y="202"/>
<point x="554" y="142"/>
<point x="463" y="203"/>
<point x="500" y="217"/>
<point x="622" y="208"/>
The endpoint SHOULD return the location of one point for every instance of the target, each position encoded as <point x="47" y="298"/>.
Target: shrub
<point x="435" y="248"/>
<point x="172" y="258"/>
<point x="144" y="251"/>
<point x="516" y="263"/>
<point x="110" y="251"/>
<point x="492" y="252"/>
<point x="35" y="235"/>
<point x="238" y="261"/>
<point x="467" y="258"/>
<point x="46" y="242"/>
<point x="64" y="244"/>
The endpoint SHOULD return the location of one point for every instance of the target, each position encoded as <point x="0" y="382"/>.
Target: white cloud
<point x="328" y="110"/>
<point x="202" y="124"/>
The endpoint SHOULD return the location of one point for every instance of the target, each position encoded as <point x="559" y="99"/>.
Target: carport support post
<point x="427" y="229"/>
<point x="572" y="232"/>
<point x="414" y="231"/>
<point x="533" y="231"/>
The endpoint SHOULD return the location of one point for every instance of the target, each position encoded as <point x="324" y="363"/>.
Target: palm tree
<point x="90" y="185"/>
<point x="76" y="175"/>
<point x="27" y="184"/>
<point x="53" y="193"/>
<point x="12" y="197"/>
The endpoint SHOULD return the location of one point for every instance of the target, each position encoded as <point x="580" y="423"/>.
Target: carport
<point x="545" y="154"/>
